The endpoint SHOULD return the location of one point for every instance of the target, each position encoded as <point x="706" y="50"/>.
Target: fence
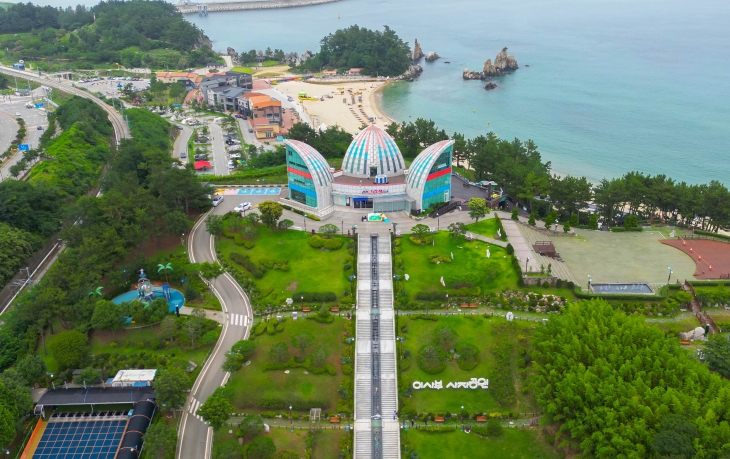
<point x="18" y="282"/>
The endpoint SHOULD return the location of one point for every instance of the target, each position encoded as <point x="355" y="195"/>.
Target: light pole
<point x="291" y="421"/>
<point x="526" y="262"/>
<point x="462" y="417"/>
<point x="589" y="282"/>
<point x="670" y="273"/>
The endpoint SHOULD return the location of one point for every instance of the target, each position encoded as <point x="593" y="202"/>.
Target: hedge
<point x="314" y="297"/>
<point x="329" y="244"/>
<point x="621" y="229"/>
<point x="246" y="262"/>
<point x="307" y="365"/>
<point x="709" y="233"/>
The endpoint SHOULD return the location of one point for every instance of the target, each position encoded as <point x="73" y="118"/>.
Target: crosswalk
<point x="193" y="408"/>
<point x="238" y="319"/>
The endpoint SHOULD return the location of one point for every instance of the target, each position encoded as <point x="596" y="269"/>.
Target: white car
<point x="243" y="206"/>
<point x="235" y="155"/>
<point x="217" y="200"/>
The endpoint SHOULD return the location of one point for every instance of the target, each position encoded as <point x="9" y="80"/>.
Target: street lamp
<point x="526" y="262"/>
<point x="670" y="273"/>
<point x="291" y="422"/>
<point x="589" y="282"/>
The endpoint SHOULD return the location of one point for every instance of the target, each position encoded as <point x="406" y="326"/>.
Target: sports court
<point x="711" y="258"/>
<point x="633" y="257"/>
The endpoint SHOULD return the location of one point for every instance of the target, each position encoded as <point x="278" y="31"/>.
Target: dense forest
<point x="617" y="387"/>
<point x="133" y="33"/>
<point x="144" y="198"/>
<point x="377" y="53"/>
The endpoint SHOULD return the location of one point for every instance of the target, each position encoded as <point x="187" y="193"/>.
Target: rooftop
<point x="96" y="395"/>
<point x="135" y="375"/>
<point x="347" y="180"/>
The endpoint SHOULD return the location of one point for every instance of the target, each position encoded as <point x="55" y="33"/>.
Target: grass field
<point x="495" y="273"/>
<point x="487" y="227"/>
<point x="252" y="383"/>
<point x="310" y="270"/>
<point x="242" y="69"/>
<point x="684" y="324"/>
<point x="513" y="444"/>
<point x="474" y="330"/>
<point x="327" y="443"/>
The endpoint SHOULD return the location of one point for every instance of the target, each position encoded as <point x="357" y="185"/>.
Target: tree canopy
<point x="621" y="388"/>
<point x="377" y="53"/>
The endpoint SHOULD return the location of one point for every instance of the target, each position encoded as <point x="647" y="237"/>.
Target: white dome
<point x="373" y="148"/>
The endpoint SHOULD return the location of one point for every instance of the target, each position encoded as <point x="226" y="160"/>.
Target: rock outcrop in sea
<point x="431" y="56"/>
<point x="491" y="85"/>
<point x="417" y="51"/>
<point x="503" y="63"/>
<point x="412" y="73"/>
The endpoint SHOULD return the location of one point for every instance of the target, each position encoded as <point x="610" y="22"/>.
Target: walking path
<point x="377" y="433"/>
<point x="559" y="268"/>
<point x="524" y="253"/>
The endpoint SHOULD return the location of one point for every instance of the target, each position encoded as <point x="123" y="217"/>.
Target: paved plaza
<point x="622" y="257"/>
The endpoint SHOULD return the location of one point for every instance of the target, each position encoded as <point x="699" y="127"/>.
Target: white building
<point x="129" y="378"/>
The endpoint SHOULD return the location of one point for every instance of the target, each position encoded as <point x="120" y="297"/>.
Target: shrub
<point x="432" y="359"/>
<point x="312" y="217"/>
<point x="270" y="328"/>
<point x="437" y="259"/>
<point x="510" y="249"/>
<point x="210" y="337"/>
<point x="260" y="328"/>
<point x="418" y="241"/>
<point x="468" y="356"/>
<point x="246" y="262"/>
<point x="459" y="279"/>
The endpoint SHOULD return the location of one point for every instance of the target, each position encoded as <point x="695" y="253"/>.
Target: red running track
<point x="712" y="258"/>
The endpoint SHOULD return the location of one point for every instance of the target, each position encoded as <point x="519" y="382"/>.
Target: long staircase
<point x="377" y="434"/>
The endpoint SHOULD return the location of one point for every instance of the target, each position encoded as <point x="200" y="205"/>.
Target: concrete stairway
<point x="559" y="268"/>
<point x="388" y="446"/>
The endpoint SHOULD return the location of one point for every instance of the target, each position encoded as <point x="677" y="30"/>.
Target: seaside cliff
<point x="503" y="63"/>
<point x="417" y="51"/>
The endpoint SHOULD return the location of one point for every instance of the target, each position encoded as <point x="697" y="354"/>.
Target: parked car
<point x="40" y="128"/>
<point x="250" y="130"/>
<point x="243" y="206"/>
<point x="217" y="200"/>
<point x="183" y="155"/>
<point x="235" y="155"/>
<point x="231" y="165"/>
<point x="201" y="157"/>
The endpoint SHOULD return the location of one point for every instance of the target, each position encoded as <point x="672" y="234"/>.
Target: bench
<point x="469" y="305"/>
<point x="684" y="342"/>
<point x="481" y="419"/>
<point x="334" y="419"/>
<point x="438" y="419"/>
<point x="335" y="309"/>
<point x="306" y="309"/>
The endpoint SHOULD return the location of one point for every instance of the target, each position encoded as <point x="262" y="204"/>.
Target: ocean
<point x="612" y="85"/>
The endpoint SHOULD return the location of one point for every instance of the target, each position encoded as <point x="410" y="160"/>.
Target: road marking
<point x="193" y="409"/>
<point x="236" y="319"/>
<point x="245" y="321"/>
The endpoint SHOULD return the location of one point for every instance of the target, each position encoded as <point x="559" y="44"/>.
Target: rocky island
<point x="417" y="51"/>
<point x="431" y="56"/>
<point x="503" y="64"/>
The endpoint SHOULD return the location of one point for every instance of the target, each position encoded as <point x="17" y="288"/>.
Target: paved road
<point x="250" y="138"/>
<point x="181" y="143"/>
<point x="195" y="437"/>
<point x="9" y="127"/>
<point x="121" y="129"/>
<point x="218" y="149"/>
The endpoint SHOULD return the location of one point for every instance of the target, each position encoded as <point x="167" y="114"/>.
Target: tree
<point x="285" y="224"/>
<point x="251" y="426"/>
<point x="531" y="221"/>
<point x="444" y="336"/>
<point x="432" y="359"/>
<point x="214" y="224"/>
<point x="210" y="271"/>
<point x="253" y="218"/>
<point x="170" y="386"/>
<point x="566" y="226"/>
<point x="233" y="362"/>
<point x="107" y="316"/>
<point x="494" y="428"/>
<point x="160" y="441"/>
<point x="31" y="368"/>
<point x="260" y="448"/>
<point x="7" y="427"/>
<point x="676" y="437"/>
<point x="328" y="230"/>
<point x="217" y="408"/>
<point x="168" y="327"/>
<point x="270" y="213"/>
<point x="88" y="376"/>
<point x="593" y="222"/>
<point x="228" y="450"/>
<point x="515" y="214"/>
<point x="164" y="268"/>
<point x="477" y="208"/>
<point x="551" y="218"/>
<point x="684" y="297"/>
<point x="302" y="341"/>
<point x="319" y="357"/>
<point x="69" y="349"/>
<point x="279" y="353"/>
<point x="245" y="348"/>
<point x="717" y="354"/>
<point x="175" y="223"/>
<point x="421" y="231"/>
<point x="195" y="324"/>
<point x="457" y="229"/>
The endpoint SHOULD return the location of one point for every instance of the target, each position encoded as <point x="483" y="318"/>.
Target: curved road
<point x="195" y="438"/>
<point x="121" y="129"/>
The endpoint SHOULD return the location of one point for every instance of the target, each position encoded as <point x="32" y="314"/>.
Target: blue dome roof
<point x="373" y="147"/>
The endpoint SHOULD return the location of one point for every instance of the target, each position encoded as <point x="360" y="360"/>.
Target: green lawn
<point x="513" y="444"/>
<point x="475" y="330"/>
<point x="310" y="270"/>
<point x="286" y="440"/>
<point x="684" y="324"/>
<point x="495" y="273"/>
<point x="252" y="383"/>
<point x="487" y="227"/>
<point x="327" y="443"/>
<point x="242" y="69"/>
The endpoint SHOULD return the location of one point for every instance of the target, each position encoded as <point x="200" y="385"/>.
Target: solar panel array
<point x="80" y="440"/>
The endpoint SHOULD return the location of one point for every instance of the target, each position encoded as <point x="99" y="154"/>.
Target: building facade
<point x="373" y="176"/>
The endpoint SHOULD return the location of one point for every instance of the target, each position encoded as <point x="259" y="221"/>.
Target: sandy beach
<point x="335" y="112"/>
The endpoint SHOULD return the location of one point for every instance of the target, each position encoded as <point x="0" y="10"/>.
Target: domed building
<point x="373" y="176"/>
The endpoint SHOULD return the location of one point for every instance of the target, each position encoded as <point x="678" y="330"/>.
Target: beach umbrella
<point x="202" y="165"/>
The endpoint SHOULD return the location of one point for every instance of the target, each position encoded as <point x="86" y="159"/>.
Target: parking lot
<point x="110" y="86"/>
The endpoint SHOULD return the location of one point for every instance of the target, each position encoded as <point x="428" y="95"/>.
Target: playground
<point x="711" y="258"/>
<point x="632" y="257"/>
<point x="147" y="293"/>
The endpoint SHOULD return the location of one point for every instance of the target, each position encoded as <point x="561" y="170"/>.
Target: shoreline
<point x="376" y="103"/>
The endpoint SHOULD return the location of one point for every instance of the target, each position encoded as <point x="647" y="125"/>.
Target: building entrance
<point x="362" y="203"/>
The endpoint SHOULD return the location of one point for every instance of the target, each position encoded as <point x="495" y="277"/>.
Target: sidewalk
<point x="218" y="316"/>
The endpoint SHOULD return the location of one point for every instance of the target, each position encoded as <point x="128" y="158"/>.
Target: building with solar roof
<point x="373" y="176"/>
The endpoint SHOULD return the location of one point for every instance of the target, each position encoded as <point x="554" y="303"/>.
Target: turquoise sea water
<point x="612" y="85"/>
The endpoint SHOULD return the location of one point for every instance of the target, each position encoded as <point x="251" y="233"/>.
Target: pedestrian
<point x="412" y="422"/>
<point x="426" y="420"/>
<point x="395" y="415"/>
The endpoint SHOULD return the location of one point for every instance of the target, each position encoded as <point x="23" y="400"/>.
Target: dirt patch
<point x="293" y="287"/>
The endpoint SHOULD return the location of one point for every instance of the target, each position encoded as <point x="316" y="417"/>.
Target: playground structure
<point x="378" y="217"/>
<point x="147" y="293"/>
